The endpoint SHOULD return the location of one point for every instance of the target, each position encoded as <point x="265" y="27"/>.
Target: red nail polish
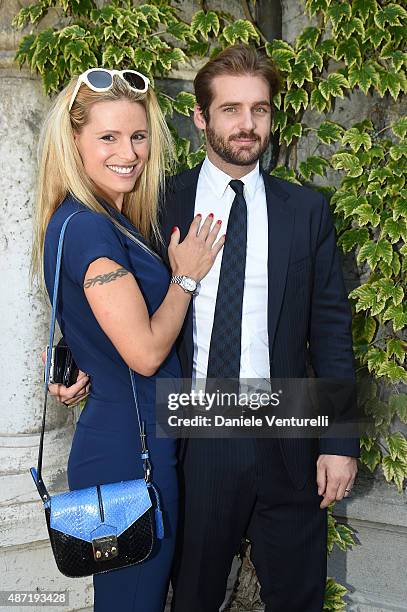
<point x="174" y="229"/>
<point x="199" y="215"/>
<point x="210" y="215"/>
<point x="219" y="221"/>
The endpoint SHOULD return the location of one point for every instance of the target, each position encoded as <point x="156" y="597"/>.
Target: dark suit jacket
<point x="309" y="316"/>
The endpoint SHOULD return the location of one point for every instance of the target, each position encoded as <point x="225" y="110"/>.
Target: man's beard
<point x="243" y="157"/>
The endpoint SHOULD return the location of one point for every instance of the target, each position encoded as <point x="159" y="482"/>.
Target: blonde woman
<point x="104" y="149"/>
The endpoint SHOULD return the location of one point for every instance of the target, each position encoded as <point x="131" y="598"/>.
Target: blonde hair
<point x="61" y="170"/>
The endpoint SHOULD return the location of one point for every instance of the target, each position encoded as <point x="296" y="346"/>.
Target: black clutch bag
<point x="63" y="369"/>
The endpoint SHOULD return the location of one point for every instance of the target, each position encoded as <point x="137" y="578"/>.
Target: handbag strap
<point x="37" y="473"/>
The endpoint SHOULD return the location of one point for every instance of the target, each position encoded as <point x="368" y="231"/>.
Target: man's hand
<point x="70" y="396"/>
<point x="335" y="477"/>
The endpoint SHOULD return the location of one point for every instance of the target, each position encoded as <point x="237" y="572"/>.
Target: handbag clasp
<point x="105" y="548"/>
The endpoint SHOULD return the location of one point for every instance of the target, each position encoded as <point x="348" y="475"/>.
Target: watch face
<point x="188" y="283"/>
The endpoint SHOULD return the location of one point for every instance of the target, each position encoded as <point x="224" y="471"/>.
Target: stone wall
<point x="374" y="571"/>
<point x="26" y="561"/>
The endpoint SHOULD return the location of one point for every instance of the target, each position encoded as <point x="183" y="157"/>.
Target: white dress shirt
<point x="214" y="195"/>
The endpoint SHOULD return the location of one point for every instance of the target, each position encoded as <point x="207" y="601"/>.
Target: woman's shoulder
<point x="87" y="221"/>
<point x="89" y="235"/>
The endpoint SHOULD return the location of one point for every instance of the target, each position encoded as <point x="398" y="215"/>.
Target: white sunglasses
<point x="101" y="79"/>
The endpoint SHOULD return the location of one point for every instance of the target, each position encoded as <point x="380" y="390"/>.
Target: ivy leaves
<point x="151" y="37"/>
<point x="390" y="15"/>
<point x="329" y="132"/>
<point x="116" y="34"/>
<point x="364" y="8"/>
<point x="367" y="45"/>
<point x="347" y="162"/>
<point x="363" y="76"/>
<point x="296" y="98"/>
<point x="55" y="54"/>
<point x="369" y="63"/>
<point x="372" y="202"/>
<point x="204" y="23"/>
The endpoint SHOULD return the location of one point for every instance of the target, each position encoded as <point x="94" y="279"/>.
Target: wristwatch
<point x="188" y="284"/>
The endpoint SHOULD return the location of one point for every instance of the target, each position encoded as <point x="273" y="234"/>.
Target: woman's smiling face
<point x="114" y="147"/>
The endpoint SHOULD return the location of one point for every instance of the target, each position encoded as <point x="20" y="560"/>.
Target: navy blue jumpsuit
<point x="106" y="443"/>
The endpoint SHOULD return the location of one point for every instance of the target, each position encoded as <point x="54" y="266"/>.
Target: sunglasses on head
<point x="101" y="79"/>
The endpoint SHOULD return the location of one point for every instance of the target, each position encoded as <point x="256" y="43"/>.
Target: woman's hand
<point x="70" y="396"/>
<point x="195" y="255"/>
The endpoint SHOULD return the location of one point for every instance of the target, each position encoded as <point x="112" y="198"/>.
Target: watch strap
<point x="176" y="279"/>
<point x="179" y="279"/>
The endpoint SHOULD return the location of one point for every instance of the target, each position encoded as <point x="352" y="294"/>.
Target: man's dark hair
<point x="237" y="60"/>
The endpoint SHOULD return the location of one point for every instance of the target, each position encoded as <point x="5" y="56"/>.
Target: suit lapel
<point x="280" y="233"/>
<point x="184" y="207"/>
<point x="180" y="201"/>
<point x="296" y="453"/>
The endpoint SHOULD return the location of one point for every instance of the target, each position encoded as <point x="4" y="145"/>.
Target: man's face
<point x="238" y="128"/>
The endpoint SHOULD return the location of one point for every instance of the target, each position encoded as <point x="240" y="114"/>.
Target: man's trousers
<point x="231" y="488"/>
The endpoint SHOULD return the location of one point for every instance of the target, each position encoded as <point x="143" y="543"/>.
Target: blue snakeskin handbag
<point x="104" y="527"/>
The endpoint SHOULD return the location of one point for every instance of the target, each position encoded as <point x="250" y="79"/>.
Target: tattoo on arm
<point x="102" y="279"/>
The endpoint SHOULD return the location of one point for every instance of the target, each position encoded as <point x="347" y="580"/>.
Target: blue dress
<point x="106" y="443"/>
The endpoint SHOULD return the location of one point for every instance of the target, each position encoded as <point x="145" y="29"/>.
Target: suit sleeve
<point x="330" y="335"/>
<point x="164" y="222"/>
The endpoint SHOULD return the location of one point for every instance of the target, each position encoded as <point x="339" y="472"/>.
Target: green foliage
<point x="290" y="132"/>
<point x="239" y="31"/>
<point x="184" y="103"/>
<point x="334" y="594"/>
<point x="339" y="535"/>
<point x="204" y="23"/>
<point x="370" y="454"/>
<point x="286" y="174"/>
<point x="313" y="165"/>
<point x="151" y="37"/>
<point x="370" y="205"/>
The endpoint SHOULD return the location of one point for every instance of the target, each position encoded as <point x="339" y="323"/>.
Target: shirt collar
<point x="219" y="180"/>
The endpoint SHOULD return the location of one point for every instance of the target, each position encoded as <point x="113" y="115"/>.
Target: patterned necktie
<point x="225" y="347"/>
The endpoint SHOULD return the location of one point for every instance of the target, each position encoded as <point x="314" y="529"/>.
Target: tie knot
<point x="237" y="186"/>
